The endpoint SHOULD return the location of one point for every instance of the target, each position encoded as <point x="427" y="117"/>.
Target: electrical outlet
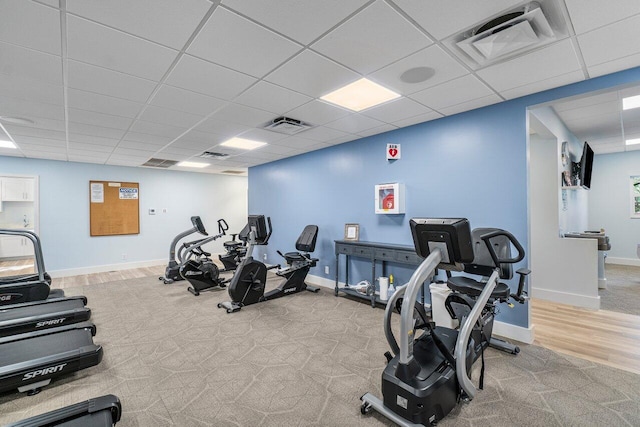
<point x="326" y="269"/>
<point x="264" y="257"/>
<point x="164" y="210"/>
<point x="124" y="257"/>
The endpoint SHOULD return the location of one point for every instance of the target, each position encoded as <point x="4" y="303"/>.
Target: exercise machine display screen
<point x="258" y="223"/>
<point x="451" y="235"/>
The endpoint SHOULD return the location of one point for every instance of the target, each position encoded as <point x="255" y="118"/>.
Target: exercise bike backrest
<point x="261" y="229"/>
<point x="492" y="248"/>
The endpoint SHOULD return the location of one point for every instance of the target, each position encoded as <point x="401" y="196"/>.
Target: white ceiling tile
<point x="396" y="110"/>
<point x="186" y="152"/>
<point x="77" y="138"/>
<point x="210" y="79"/>
<point x="551" y="61"/>
<point x="37" y="132"/>
<point x="311" y="74"/>
<point x="302" y="20"/>
<point x="88" y="153"/>
<point x="87" y="159"/>
<point x="146" y="138"/>
<point x="471" y="105"/>
<point x="297" y="142"/>
<point x="26" y="63"/>
<point x="587" y="15"/>
<point x="167" y="22"/>
<point x="133" y="153"/>
<point x="221" y="128"/>
<point x="444" y="66"/>
<point x="354" y="123"/>
<point x="262" y="135"/>
<point x="247" y="47"/>
<point x="83" y="100"/>
<point x="322" y="133"/>
<point x="43" y="142"/>
<point x="196" y="146"/>
<point x="47" y="124"/>
<point x="161" y="155"/>
<point x="539" y="86"/>
<point x="169" y="117"/>
<point x="378" y="129"/>
<point x="609" y="105"/>
<point x="158" y="129"/>
<point x="588" y="101"/>
<point x="18" y="87"/>
<point x="99" y="119"/>
<point x="612" y="66"/>
<point x="107" y="82"/>
<point x="452" y="93"/>
<point x="48" y="156"/>
<point x="30" y="25"/>
<point x="90" y="147"/>
<point x="92" y="130"/>
<point x="52" y="3"/>
<point x="372" y="39"/>
<point x="241" y="114"/>
<point x="102" y="46"/>
<point x="136" y="145"/>
<point x="273" y="98"/>
<point x="418" y="119"/>
<point x="186" y="100"/>
<point x="13" y="107"/>
<point x="276" y="149"/>
<point x="317" y="113"/>
<point x="596" y="50"/>
<point x="442" y="18"/>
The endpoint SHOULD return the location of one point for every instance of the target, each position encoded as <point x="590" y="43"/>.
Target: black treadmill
<point x="98" y="412"/>
<point x="37" y="315"/>
<point x="27" y="287"/>
<point x="31" y="360"/>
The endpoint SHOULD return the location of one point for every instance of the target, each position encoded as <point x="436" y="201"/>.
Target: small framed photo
<point x="351" y="232"/>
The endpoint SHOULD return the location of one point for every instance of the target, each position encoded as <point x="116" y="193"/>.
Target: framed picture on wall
<point x="352" y="232"/>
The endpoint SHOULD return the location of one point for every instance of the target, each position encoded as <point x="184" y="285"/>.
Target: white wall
<point x="64" y="212"/>
<point x="562" y="270"/>
<point x="609" y="204"/>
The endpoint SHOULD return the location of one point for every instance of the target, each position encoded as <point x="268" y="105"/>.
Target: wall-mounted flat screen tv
<point x="586" y="166"/>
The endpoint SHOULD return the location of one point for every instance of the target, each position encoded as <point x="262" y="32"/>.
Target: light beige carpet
<point x="303" y="360"/>
<point x="623" y="289"/>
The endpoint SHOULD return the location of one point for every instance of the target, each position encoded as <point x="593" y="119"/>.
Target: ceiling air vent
<point x="159" y="163"/>
<point x="213" y="155"/>
<point x="231" y="172"/>
<point x="510" y="34"/>
<point x="287" y="125"/>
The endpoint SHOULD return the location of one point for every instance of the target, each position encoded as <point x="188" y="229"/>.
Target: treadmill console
<point x="451" y="235"/>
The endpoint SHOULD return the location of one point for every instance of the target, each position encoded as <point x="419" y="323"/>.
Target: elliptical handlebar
<point x="195" y="247"/>
<point x="222" y="226"/>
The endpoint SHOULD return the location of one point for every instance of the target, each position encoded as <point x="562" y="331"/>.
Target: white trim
<point x="623" y="261"/>
<point x="502" y="329"/>
<point x="567" y="298"/>
<point x="105" y="268"/>
<point x="513" y="332"/>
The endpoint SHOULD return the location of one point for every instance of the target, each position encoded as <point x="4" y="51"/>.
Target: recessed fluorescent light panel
<point x="631" y="102"/>
<point x="243" y="144"/>
<point x="360" y="95"/>
<point x="7" y="144"/>
<point x="192" y="165"/>
<point x="632" y="141"/>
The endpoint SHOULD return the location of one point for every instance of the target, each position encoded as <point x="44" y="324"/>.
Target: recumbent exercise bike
<point x="248" y="283"/>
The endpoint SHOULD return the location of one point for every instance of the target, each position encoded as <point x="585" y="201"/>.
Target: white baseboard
<point x="513" y="332"/>
<point x="623" y="261"/>
<point x="105" y="268"/>
<point x="502" y="329"/>
<point x="567" y="298"/>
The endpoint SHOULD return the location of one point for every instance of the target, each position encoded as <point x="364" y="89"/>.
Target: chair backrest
<point x="307" y="240"/>
<point x="482" y="263"/>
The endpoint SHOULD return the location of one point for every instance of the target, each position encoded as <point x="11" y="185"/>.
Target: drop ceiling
<point x="119" y="82"/>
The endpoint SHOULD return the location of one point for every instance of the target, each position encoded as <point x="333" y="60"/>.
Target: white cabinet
<point x="15" y="246"/>
<point x="18" y="189"/>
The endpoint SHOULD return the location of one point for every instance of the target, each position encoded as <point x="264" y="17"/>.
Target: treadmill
<point x="31" y="360"/>
<point x="37" y="315"/>
<point x="27" y="287"/>
<point x="101" y="411"/>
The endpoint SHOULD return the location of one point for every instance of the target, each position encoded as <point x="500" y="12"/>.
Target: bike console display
<point x="451" y="235"/>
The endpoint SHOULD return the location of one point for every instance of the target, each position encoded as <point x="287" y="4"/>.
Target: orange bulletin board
<point x="114" y="208"/>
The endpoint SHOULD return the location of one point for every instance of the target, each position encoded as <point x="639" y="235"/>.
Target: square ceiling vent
<point x="287" y="125"/>
<point x="510" y="34"/>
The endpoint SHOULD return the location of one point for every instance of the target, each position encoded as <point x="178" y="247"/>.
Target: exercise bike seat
<point x="305" y="243"/>
<point x="483" y="265"/>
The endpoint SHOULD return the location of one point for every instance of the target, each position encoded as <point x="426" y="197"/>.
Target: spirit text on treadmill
<point x="45" y="371"/>
<point x="50" y="322"/>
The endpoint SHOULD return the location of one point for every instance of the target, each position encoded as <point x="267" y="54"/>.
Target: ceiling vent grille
<point x="159" y="163"/>
<point x="213" y="155"/>
<point x="508" y="35"/>
<point x="287" y="126"/>
<point x="232" y="172"/>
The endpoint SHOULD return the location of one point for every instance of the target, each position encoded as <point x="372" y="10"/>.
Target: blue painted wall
<point x="64" y="210"/>
<point x="473" y="164"/>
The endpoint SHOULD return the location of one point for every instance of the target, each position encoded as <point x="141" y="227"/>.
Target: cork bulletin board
<point x="114" y="208"/>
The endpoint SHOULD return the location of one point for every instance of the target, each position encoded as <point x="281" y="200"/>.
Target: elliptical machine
<point x="172" y="271"/>
<point x="248" y="283"/>
<point x="428" y="374"/>
<point x="195" y="264"/>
